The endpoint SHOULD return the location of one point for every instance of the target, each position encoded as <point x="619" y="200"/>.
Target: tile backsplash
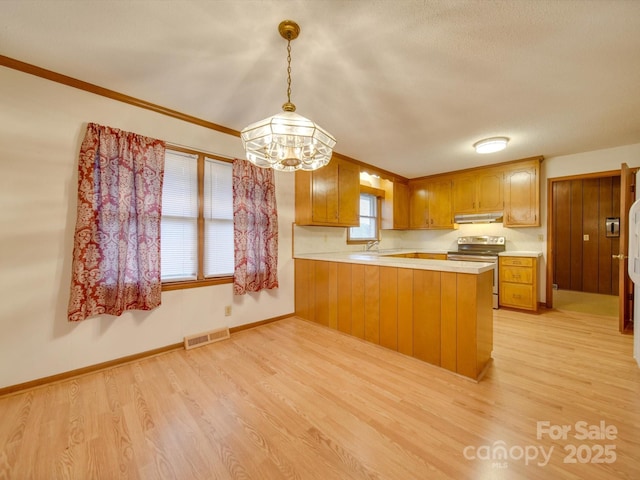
<point x="334" y="239"/>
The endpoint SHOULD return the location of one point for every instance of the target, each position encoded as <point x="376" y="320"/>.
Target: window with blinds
<point x="179" y="227"/>
<point x="197" y="218"/>
<point x="368" y="229"/>
<point x="218" y="218"/>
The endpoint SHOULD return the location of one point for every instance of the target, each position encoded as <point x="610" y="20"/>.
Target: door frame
<point x="550" y="200"/>
<point x="626" y="287"/>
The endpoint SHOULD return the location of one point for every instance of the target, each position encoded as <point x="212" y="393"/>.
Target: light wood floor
<point x="296" y="400"/>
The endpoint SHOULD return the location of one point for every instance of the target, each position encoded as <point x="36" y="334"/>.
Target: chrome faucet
<point x="371" y="244"/>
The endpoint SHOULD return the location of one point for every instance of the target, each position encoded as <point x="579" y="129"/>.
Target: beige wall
<point x="41" y="126"/>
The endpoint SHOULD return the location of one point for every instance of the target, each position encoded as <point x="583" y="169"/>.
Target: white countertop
<point x="520" y="253"/>
<point x="379" y="259"/>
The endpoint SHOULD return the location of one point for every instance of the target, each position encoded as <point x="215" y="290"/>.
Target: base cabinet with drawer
<point x="518" y="282"/>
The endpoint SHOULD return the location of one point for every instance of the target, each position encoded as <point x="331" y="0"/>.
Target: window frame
<point x="201" y="280"/>
<point x="378" y="204"/>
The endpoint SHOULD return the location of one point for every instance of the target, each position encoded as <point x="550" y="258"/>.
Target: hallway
<point x="593" y="303"/>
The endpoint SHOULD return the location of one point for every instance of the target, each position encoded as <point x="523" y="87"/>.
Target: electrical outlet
<point x="541" y="237"/>
<point x="227" y="311"/>
<point x="585" y="237"/>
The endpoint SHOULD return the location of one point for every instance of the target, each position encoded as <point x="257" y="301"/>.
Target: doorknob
<point x="620" y="256"/>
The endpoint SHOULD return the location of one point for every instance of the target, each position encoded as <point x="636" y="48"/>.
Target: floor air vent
<point x="193" y="341"/>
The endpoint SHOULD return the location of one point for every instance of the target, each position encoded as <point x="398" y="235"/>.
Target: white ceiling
<point x="405" y="85"/>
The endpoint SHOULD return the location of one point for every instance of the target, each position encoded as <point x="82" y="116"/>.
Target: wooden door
<point x="582" y="251"/>
<point x="464" y="194"/>
<point x="348" y="183"/>
<point x="521" y="197"/>
<point x="418" y="206"/>
<point x="490" y="190"/>
<point x="324" y="194"/>
<point x="395" y="206"/>
<point x="440" y="204"/>
<point x="627" y="196"/>
<point x="400" y="206"/>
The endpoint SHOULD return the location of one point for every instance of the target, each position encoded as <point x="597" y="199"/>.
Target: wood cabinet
<point x="430" y="204"/>
<point x="431" y="256"/>
<point x="518" y="282"/>
<point x="512" y="188"/>
<point x="444" y="318"/>
<point x="479" y="192"/>
<point x="440" y="204"/>
<point x="522" y="195"/>
<point x="329" y="196"/>
<point x="418" y="205"/>
<point x="395" y="206"/>
<point x="464" y="194"/>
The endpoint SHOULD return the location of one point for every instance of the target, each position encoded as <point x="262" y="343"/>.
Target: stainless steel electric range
<point x="481" y="248"/>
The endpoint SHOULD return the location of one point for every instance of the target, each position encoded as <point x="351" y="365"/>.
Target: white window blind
<point x="218" y="218"/>
<point x="179" y="227"/>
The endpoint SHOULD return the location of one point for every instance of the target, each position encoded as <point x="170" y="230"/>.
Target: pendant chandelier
<point x="287" y="141"/>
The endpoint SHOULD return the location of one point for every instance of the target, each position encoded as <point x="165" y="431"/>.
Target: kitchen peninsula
<point x="438" y="311"/>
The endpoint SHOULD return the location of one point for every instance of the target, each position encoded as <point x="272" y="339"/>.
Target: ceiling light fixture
<point x="287" y="141"/>
<point x="491" y="145"/>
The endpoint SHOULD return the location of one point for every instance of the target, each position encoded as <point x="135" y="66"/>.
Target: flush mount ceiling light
<point x="490" y="145"/>
<point x="287" y="141"/>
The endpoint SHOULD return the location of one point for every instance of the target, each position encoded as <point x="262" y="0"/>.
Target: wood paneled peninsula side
<point x="438" y="311"/>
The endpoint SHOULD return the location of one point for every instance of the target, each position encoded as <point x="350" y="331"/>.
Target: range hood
<point x="478" y="218"/>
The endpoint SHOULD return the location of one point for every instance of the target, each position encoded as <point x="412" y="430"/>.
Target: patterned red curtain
<point x="116" y="254"/>
<point x="255" y="228"/>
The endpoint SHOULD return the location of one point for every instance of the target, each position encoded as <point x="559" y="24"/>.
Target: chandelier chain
<point x="289" y="70"/>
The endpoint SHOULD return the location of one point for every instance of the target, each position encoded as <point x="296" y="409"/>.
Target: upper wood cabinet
<point x="418" y="205"/>
<point x="430" y="204"/>
<point x="395" y="206"/>
<point x="329" y="196"/>
<point x="479" y="192"/>
<point x="522" y="195"/>
<point x="464" y="194"/>
<point x="441" y="204"/>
